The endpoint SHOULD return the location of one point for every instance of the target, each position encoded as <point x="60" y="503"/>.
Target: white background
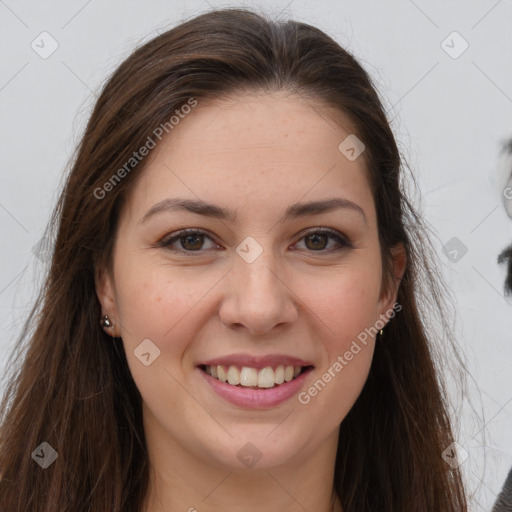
<point x="450" y="115"/>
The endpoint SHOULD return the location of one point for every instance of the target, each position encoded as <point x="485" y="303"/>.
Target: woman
<point x="234" y="317"/>
<point x="504" y="499"/>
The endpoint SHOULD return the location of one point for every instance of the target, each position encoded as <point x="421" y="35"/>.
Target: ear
<point x="105" y="291"/>
<point x="398" y="265"/>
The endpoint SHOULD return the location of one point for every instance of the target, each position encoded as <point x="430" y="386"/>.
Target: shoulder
<point x="504" y="501"/>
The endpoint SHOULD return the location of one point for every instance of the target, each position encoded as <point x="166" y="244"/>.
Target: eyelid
<point x="342" y="239"/>
<point x="167" y="240"/>
<point x="320" y="229"/>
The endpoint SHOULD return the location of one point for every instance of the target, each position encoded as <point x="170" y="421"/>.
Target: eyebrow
<point x="211" y="210"/>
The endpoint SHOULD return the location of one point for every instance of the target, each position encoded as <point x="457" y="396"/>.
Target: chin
<point x="258" y="447"/>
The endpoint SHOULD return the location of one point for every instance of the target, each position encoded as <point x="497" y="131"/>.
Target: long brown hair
<point x="74" y="389"/>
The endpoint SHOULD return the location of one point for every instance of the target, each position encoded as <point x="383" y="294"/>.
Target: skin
<point x="256" y="154"/>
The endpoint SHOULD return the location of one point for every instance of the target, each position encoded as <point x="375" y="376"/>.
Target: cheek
<point x="346" y="311"/>
<point x="164" y="306"/>
<point x="345" y="302"/>
<point x="161" y="303"/>
<point x="345" y="305"/>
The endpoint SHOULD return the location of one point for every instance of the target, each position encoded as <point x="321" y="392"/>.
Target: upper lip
<point x="257" y="362"/>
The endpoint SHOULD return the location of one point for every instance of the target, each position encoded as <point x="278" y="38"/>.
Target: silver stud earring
<point x="106" y="322"/>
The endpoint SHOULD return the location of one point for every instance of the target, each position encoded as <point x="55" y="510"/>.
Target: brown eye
<point x="324" y="240"/>
<point x="188" y="240"/>
<point x="192" y="242"/>
<point x="318" y="241"/>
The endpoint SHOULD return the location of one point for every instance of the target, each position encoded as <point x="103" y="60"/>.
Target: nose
<point x="256" y="298"/>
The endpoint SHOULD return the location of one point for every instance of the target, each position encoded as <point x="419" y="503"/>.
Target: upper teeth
<point x="265" y="378"/>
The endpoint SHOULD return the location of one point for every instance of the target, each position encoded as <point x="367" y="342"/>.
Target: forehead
<point x="259" y="120"/>
<point x="249" y="147"/>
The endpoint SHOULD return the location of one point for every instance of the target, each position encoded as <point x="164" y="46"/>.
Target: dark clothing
<point x="504" y="501"/>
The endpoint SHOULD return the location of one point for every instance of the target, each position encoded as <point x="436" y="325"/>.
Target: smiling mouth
<point x="253" y="378"/>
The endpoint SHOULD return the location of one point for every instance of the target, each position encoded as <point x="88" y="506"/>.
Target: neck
<point x="184" y="481"/>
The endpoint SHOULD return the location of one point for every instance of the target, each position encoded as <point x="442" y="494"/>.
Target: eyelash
<point x="343" y="242"/>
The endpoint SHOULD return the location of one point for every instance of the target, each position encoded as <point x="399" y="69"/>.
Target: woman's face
<point x="275" y="274"/>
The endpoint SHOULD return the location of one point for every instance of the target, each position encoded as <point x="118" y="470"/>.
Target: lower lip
<point x="256" y="398"/>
